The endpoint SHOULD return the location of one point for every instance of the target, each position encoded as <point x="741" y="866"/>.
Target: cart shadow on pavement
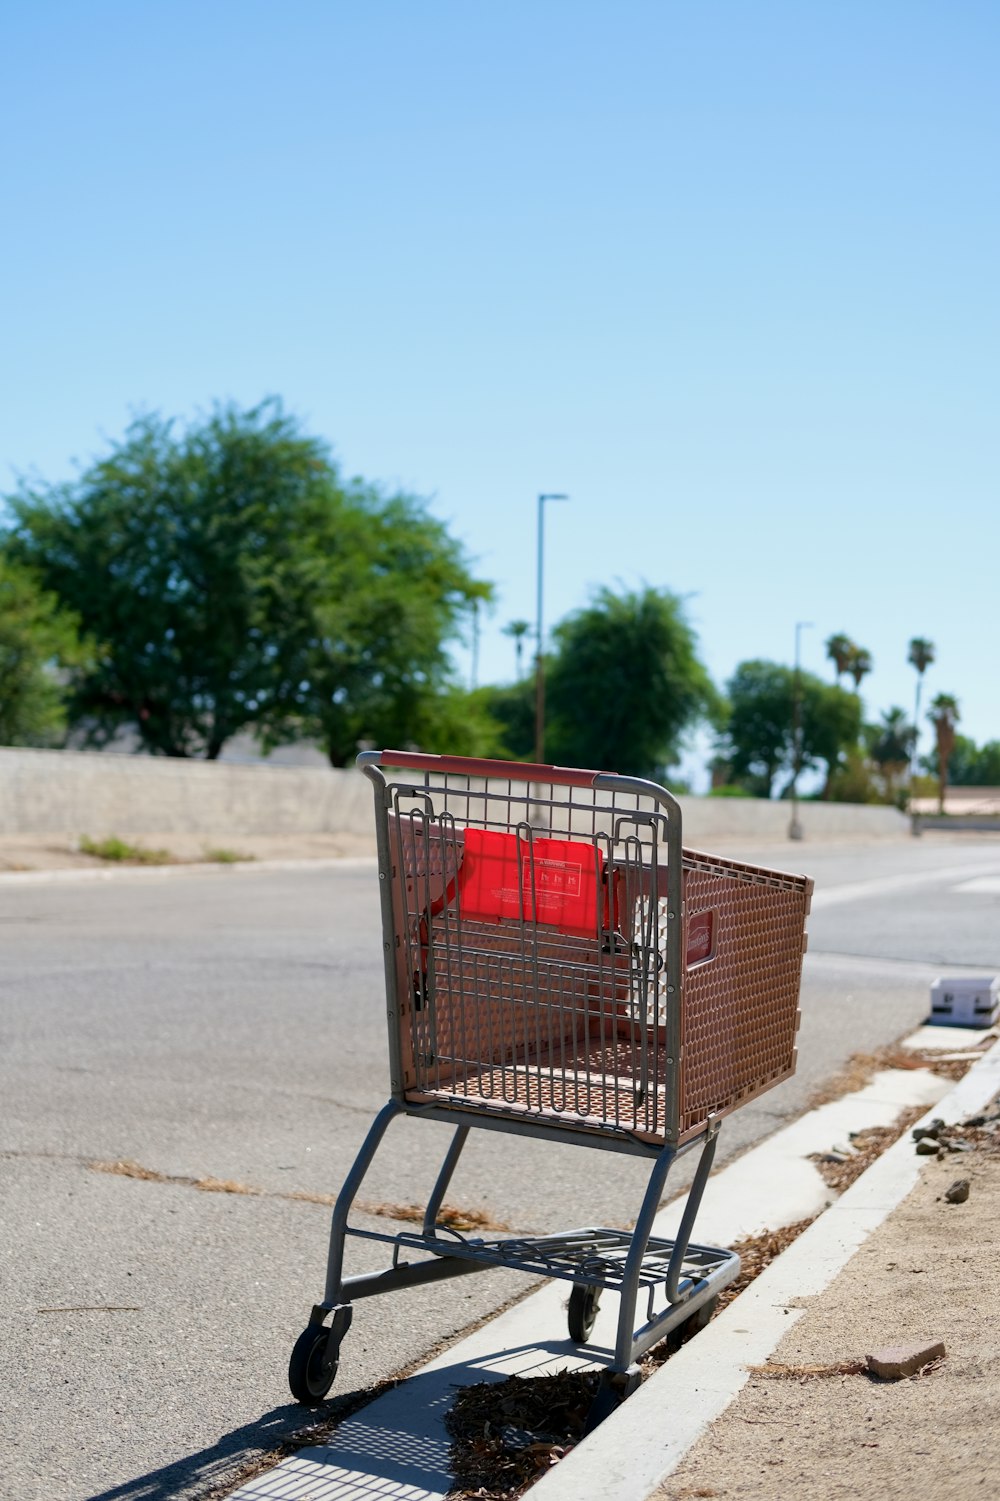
<point x="395" y="1448"/>
<point x="193" y="1474"/>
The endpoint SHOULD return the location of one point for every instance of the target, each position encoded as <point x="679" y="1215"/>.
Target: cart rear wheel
<point x="310" y="1377"/>
<point x="583" y="1304"/>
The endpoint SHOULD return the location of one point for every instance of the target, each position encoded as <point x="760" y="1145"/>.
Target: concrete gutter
<point x="397" y="1447"/>
<point x="640" y="1445"/>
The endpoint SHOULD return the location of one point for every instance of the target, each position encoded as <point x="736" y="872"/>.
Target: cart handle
<point x="518" y="771"/>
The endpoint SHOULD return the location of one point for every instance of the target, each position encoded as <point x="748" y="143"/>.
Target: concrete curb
<point x="397" y="1446"/>
<point x="631" y="1454"/>
<point x="184" y="868"/>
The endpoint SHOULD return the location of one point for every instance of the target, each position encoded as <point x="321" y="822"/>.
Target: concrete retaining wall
<point x="757" y="821"/>
<point x="50" y="792"/>
<point x="75" y="792"/>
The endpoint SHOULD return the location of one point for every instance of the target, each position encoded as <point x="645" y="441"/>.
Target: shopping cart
<point x="559" y="966"/>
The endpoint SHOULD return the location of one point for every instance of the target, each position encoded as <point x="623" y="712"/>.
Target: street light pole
<point x="795" y="828"/>
<point x="539" y="664"/>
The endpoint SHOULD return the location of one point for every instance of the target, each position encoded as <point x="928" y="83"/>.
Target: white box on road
<point x="965" y="1000"/>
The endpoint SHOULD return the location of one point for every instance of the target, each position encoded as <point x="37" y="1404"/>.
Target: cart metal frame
<point x="543" y="928"/>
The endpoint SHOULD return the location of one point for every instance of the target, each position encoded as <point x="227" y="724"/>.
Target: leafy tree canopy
<point x="840" y="649"/>
<point x="236" y="581"/>
<point x="970" y="765"/>
<point x="920" y="653"/>
<point x="375" y="665"/>
<point x="512" y="707"/>
<point x="759" y="739"/>
<point x="624" y="684"/>
<point x="40" y="650"/>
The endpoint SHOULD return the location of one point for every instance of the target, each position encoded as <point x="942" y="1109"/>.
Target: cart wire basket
<point x="558" y="965"/>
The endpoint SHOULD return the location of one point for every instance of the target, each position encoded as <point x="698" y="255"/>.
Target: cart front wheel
<point x="313" y="1365"/>
<point x="583" y="1304"/>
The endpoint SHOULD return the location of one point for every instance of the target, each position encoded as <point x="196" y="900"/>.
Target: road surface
<point x="228" y="1029"/>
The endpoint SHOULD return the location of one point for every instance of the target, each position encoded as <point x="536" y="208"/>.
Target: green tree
<point x="944" y="716"/>
<point x="374" y="666"/>
<point x="920" y="655"/>
<point x="831" y="725"/>
<point x="973" y="766"/>
<point x="40" y="650"/>
<point x="860" y="665"/>
<point x="758" y="742"/>
<point x="891" y="748"/>
<point x="624" y="683"/>
<point x="758" y="734"/>
<point x="237" y="582"/>
<point x="840" y="649"/>
<point x="517" y="630"/>
<point x="854" y="780"/>
<point x="512" y="707"/>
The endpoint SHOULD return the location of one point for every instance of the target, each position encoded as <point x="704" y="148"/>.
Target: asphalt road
<point x="229" y="1027"/>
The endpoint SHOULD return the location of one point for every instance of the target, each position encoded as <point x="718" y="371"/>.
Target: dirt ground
<point x="62" y="851"/>
<point x="930" y="1272"/>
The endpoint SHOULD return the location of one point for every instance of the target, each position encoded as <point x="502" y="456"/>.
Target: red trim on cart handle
<point x="516" y="771"/>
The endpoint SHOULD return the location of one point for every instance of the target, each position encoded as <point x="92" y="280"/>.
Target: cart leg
<point x="633" y="1262"/>
<point x="625" y="1345"/>
<point x="613" y="1388"/>
<point x="443" y="1179"/>
<point x="342" y="1208"/>
<point x="691" y="1208"/>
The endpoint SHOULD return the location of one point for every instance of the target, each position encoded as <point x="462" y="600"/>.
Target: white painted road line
<point x="856" y="891"/>
<point x="981" y="886"/>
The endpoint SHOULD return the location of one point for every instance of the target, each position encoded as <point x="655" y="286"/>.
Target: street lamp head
<point x="551" y="495"/>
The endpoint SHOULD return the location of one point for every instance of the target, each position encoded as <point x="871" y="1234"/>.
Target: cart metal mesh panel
<point x="531" y="974"/>
<point x="740" y="1007"/>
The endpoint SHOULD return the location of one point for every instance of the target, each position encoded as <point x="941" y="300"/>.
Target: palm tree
<point x="860" y="665"/>
<point x="891" y="744"/>
<point x="920" y="656"/>
<point x="944" y="716"/>
<point x="517" y="629"/>
<point x="840" y="649"/>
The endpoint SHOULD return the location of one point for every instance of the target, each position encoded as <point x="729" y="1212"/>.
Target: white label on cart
<point x="553" y="878"/>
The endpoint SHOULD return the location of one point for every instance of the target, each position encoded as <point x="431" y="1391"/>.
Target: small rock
<point x="957" y="1146"/>
<point x="958" y="1192"/>
<point x="835" y="1157"/>
<point x="894" y="1362"/>
<point x="927" y="1147"/>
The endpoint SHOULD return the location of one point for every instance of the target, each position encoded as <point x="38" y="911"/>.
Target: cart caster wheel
<point x="583" y="1304"/>
<point x="313" y="1365"/>
<point x="691" y="1326"/>
<point x="699" y="1319"/>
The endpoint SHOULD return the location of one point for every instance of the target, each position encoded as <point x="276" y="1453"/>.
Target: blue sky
<point x="726" y="273"/>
